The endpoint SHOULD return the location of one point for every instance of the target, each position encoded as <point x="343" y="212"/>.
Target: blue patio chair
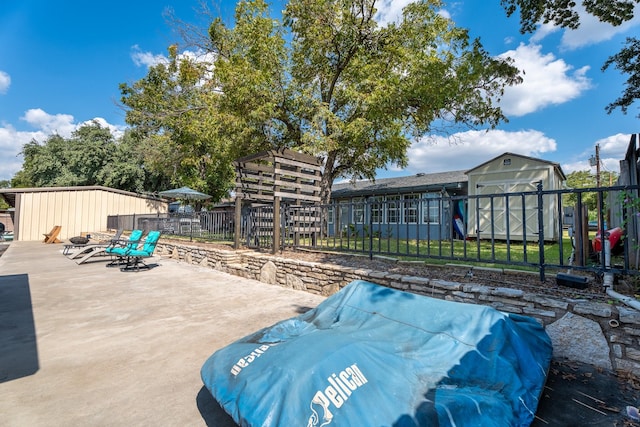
<point x="113" y="249"/>
<point x="135" y="257"/>
<point x="101" y="250"/>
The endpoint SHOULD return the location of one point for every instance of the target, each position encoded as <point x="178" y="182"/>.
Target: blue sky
<point x="61" y="64"/>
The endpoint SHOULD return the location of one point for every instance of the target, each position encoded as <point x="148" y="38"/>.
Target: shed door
<point x="516" y="214"/>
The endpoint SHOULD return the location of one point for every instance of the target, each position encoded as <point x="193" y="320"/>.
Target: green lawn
<point x="484" y="252"/>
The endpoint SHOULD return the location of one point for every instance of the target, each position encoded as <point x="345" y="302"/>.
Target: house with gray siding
<point x="419" y="206"/>
<point x="455" y="204"/>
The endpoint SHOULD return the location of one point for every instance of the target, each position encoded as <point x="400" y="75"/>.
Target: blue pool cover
<point x="374" y="356"/>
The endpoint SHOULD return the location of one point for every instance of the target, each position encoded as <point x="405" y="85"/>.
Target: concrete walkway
<point x="93" y="346"/>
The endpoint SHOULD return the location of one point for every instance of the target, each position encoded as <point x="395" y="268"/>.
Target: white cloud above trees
<point x="612" y="149"/>
<point x="591" y="30"/>
<point x="466" y="150"/>
<point x="390" y="10"/>
<point x="146" y="59"/>
<point x="149" y="59"/>
<point x="44" y="125"/>
<point x="547" y="80"/>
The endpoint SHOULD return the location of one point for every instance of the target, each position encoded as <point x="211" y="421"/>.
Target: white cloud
<point x="116" y="131"/>
<point x="5" y="82"/>
<point x="390" y="11"/>
<point x="546" y="81"/>
<point x="591" y="30"/>
<point x="198" y="56"/>
<point x="542" y="32"/>
<point x="11" y="143"/>
<point x="12" y="140"/>
<point x="581" y="165"/>
<point x="146" y="59"/>
<point x="467" y="150"/>
<point x="606" y="164"/>
<point x="612" y="150"/>
<point x="149" y="59"/>
<point x="62" y="124"/>
<point x="614" y="145"/>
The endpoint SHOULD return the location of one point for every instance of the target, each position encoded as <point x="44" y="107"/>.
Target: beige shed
<point x="513" y="174"/>
<point x="76" y="209"/>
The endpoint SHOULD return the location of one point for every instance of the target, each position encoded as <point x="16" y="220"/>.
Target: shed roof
<point x="418" y="182"/>
<point x="555" y="165"/>
<point x="9" y="194"/>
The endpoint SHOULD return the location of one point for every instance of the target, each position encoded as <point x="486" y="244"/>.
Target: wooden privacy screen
<point x="284" y="174"/>
<point x="274" y="176"/>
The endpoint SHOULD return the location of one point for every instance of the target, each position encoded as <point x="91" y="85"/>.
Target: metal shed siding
<point x="522" y="174"/>
<point x="77" y="211"/>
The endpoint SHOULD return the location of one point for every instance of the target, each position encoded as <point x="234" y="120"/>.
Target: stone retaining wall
<point x="602" y="334"/>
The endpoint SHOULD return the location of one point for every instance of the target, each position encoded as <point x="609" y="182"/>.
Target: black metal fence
<point x="542" y="229"/>
<point x="211" y="226"/>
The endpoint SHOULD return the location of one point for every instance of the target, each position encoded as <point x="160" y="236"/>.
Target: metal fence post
<point x="541" y="229"/>
<point x="368" y="207"/>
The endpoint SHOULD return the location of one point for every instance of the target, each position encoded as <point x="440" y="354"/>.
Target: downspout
<point x="608" y="278"/>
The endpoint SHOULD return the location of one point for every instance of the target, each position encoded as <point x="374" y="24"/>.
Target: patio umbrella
<point x="185" y="193"/>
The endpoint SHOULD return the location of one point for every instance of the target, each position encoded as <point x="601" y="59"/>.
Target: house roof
<point x="9" y="194"/>
<point x="555" y="165"/>
<point x="418" y="182"/>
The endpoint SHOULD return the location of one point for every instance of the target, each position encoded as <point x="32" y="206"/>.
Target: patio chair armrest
<point x="124" y="242"/>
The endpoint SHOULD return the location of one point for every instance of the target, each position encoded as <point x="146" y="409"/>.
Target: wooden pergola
<point x="274" y="176"/>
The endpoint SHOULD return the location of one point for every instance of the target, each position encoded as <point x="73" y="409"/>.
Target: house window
<point x="376" y="210"/>
<point x="330" y="215"/>
<point x="431" y="208"/>
<point x="506" y="162"/>
<point x="393" y="209"/>
<point x="358" y="211"/>
<point x="411" y="208"/>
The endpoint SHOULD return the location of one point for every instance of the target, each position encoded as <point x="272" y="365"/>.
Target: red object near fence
<point x="615" y="238"/>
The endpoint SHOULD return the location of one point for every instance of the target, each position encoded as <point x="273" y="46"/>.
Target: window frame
<point x="431" y="202"/>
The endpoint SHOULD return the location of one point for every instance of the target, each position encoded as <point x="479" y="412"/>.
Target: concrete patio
<point x="94" y="346"/>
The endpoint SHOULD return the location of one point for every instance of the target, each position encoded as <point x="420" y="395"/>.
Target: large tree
<point x="565" y="14"/>
<point x="175" y="119"/>
<point x="586" y="179"/>
<point x="92" y="156"/>
<point x="327" y="80"/>
<point x="627" y="61"/>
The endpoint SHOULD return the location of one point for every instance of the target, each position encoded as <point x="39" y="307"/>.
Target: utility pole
<point x="598" y="165"/>
<point x="595" y="161"/>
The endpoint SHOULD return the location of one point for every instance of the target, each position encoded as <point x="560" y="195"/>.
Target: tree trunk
<point x="327" y="179"/>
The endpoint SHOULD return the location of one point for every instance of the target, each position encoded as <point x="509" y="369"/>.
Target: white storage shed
<point x="493" y="215"/>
